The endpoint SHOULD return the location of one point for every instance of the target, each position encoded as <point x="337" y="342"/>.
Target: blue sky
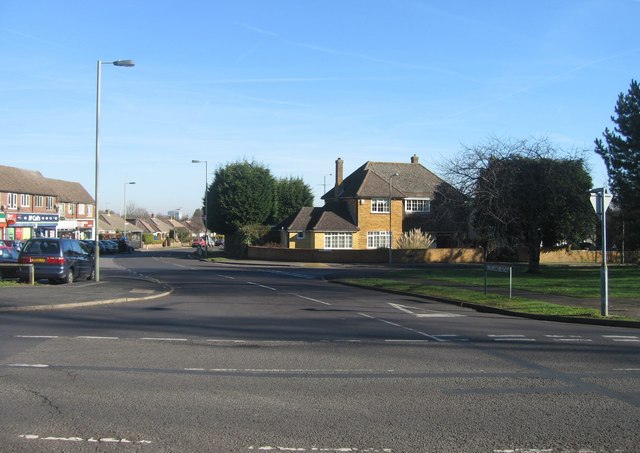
<point x="296" y="84"/>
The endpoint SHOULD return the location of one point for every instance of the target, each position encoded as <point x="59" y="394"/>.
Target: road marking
<point x="432" y="314"/>
<point x="214" y="340"/>
<point x="262" y="286"/>
<point x="626" y="369"/>
<point x="28" y="365"/>
<point x="289" y="274"/>
<point x="89" y="337"/>
<point x="451" y="337"/>
<point x="36" y="336"/>
<point x="163" y="339"/>
<point x="622" y="338"/>
<point x="311" y="299"/>
<point x="226" y="276"/>
<point x="401" y="326"/>
<point x="324" y="449"/>
<point x="510" y="338"/>
<point x="569" y="338"/>
<point x="80" y="439"/>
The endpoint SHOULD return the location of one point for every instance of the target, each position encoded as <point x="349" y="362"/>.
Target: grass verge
<point x="516" y="304"/>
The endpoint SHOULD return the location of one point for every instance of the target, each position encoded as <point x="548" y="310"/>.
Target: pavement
<point x="116" y="285"/>
<point x="119" y="285"/>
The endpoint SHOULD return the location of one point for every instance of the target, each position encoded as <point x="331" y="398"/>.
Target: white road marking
<point x="37" y="336"/>
<point x="431" y="314"/>
<point x="28" y="365"/>
<point x="163" y="339"/>
<point x="322" y="449"/>
<point x="80" y="439"/>
<point x="89" y="337"/>
<point x="622" y="338"/>
<point x="401" y="326"/>
<point x="289" y="274"/>
<point x="226" y="276"/>
<point x="569" y="338"/>
<point x="510" y="338"/>
<point x="626" y="369"/>
<point x="214" y="340"/>
<point x="262" y="286"/>
<point x="311" y="299"/>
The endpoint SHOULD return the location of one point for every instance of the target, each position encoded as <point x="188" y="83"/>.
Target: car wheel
<point x="70" y="276"/>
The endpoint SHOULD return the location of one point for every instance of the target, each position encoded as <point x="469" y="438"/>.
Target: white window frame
<point x="70" y="208"/>
<point x="50" y="203"/>
<point x="89" y="210"/>
<point x="338" y="240"/>
<point x="25" y="200"/>
<point x="39" y="201"/>
<point x="380" y="205"/>
<point x="417" y="205"/>
<point x="378" y="239"/>
<point x="12" y="201"/>
<point x="81" y="209"/>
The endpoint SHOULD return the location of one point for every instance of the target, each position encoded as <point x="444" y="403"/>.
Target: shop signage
<point x="37" y="218"/>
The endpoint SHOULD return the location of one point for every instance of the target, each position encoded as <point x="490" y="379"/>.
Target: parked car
<point x="8" y="255"/>
<point x="110" y="247"/>
<point x="65" y="260"/>
<point x="13" y="243"/>
<point x="198" y="242"/>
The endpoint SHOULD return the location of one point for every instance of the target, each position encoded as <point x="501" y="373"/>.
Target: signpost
<point x="498" y="268"/>
<point x="600" y="199"/>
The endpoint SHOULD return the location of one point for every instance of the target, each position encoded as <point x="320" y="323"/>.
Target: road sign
<point x="600" y="200"/>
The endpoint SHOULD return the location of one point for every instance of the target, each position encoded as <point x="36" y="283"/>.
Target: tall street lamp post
<point x="126" y="64"/>
<point x="125" y="209"/>
<point x="390" y="220"/>
<point x="206" y="213"/>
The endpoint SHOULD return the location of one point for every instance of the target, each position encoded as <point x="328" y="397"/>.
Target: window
<point x="25" y="200"/>
<point x="378" y="239"/>
<point x="49" y="203"/>
<point x="39" y="201"/>
<point x="417" y="205"/>
<point x="90" y="210"/>
<point x="70" y="208"/>
<point x="12" y="201"/>
<point x="300" y="235"/>
<point x="379" y="205"/>
<point x="338" y="241"/>
<point x="80" y="209"/>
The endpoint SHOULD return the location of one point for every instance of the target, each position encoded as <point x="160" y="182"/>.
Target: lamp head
<point x="125" y="63"/>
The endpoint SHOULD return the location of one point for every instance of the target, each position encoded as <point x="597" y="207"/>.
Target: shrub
<point x="415" y="239"/>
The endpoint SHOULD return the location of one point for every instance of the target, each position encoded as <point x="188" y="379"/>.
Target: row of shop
<point x="23" y="226"/>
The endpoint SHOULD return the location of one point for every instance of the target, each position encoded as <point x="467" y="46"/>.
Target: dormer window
<point x="413" y="205"/>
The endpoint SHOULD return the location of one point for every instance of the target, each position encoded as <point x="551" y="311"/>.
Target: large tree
<point x="242" y="193"/>
<point x="291" y="195"/>
<point x="621" y="155"/>
<point x="520" y="192"/>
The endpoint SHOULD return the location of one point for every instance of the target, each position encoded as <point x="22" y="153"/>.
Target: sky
<point x="295" y="84"/>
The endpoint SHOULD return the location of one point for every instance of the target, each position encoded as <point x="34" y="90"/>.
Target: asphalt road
<point x="242" y="359"/>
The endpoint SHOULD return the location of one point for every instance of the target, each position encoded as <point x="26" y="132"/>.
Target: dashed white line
<point x="623" y="338"/>
<point x="401" y="326"/>
<point x="262" y="286"/>
<point x="28" y="365"/>
<point x="311" y="299"/>
<point x="510" y="338"/>
<point x="89" y="337"/>
<point x="37" y="336"/>
<point x="163" y="339"/>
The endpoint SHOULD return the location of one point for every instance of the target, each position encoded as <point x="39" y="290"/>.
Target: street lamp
<point x="125" y="208"/>
<point x="206" y="214"/>
<point x="126" y="64"/>
<point x="390" y="218"/>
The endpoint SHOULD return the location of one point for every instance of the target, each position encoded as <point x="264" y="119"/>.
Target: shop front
<point x="27" y="226"/>
<point x="75" y="229"/>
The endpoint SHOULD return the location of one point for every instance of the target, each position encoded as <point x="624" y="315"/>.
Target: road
<point x="268" y="358"/>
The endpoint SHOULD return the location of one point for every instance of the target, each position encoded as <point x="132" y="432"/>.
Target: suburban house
<point x="372" y="207"/>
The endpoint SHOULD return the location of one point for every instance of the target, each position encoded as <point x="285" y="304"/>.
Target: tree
<point x="242" y="193"/>
<point x="521" y="193"/>
<point x="291" y="195"/>
<point x="621" y="156"/>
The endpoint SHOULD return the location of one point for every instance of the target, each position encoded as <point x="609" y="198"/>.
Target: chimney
<point x="339" y="175"/>
<point x="415" y="159"/>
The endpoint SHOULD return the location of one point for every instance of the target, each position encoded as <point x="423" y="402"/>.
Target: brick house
<point x="32" y="205"/>
<point x="373" y="206"/>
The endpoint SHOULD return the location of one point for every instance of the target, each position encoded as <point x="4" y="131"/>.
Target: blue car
<point x="57" y="260"/>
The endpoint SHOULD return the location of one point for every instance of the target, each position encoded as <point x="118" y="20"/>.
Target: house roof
<point x="113" y="223"/>
<point x="328" y="218"/>
<point x="18" y="180"/>
<point x="372" y="180"/>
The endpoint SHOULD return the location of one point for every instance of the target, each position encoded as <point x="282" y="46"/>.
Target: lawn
<point x="574" y="281"/>
<point x="466" y="284"/>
